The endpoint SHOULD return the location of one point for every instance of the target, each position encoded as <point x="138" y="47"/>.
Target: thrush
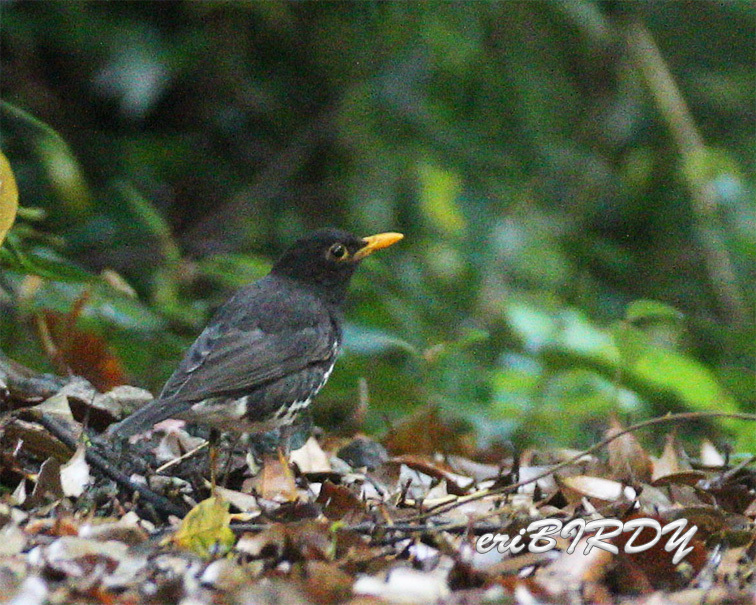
<point x="270" y="348"/>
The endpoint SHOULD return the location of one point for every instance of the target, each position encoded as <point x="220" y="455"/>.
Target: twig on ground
<point x="687" y="416"/>
<point x="162" y="505"/>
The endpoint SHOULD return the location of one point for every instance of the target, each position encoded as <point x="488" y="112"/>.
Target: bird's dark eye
<point x="337" y="252"/>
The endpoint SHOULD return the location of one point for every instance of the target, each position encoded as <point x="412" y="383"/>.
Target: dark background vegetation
<point x="549" y="163"/>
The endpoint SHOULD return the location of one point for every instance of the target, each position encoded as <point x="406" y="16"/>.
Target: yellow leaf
<point x="205" y="530"/>
<point x="8" y="197"/>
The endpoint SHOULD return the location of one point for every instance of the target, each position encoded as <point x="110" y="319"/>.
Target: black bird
<point x="270" y="348"/>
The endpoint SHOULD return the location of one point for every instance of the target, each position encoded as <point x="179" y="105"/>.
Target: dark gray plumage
<point x="270" y="348"/>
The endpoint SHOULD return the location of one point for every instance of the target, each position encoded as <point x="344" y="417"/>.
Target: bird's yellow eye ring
<point x="338" y="252"/>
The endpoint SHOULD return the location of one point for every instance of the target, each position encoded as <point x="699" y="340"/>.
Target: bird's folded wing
<point x="227" y="361"/>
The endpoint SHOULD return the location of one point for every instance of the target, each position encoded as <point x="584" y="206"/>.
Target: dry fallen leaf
<point x="81" y="558"/>
<point x="84" y="351"/>
<point x="74" y="474"/>
<point x="48" y="483"/>
<point x="583" y="486"/>
<point x="206" y="529"/>
<point x="276" y="482"/>
<point x="339" y="502"/>
<point x="310" y="458"/>
<point x="427" y="432"/>
<point x="710" y="456"/>
<point x="669" y="462"/>
<point x="654" y="567"/>
<point x="403" y="585"/>
<point x="628" y="461"/>
<point x="359" y="536"/>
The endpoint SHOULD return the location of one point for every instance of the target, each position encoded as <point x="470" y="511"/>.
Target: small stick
<point x="160" y="503"/>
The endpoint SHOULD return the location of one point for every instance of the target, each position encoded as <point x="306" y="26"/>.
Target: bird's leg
<point x="284" y="449"/>
<point x="284" y="441"/>
<point x="213" y="439"/>
<point x="227" y="467"/>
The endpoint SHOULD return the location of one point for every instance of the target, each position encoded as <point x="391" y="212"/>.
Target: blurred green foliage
<point x="546" y="194"/>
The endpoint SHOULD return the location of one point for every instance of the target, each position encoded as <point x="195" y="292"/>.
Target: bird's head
<point x="326" y="259"/>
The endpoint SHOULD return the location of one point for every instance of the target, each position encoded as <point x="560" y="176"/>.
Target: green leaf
<point x="61" y="165"/>
<point x="631" y="343"/>
<point x="651" y="310"/>
<point x="17" y="114"/>
<point x="534" y="327"/>
<point x="65" y="174"/>
<point x="153" y="220"/>
<point x="370" y="341"/>
<point x="515" y="385"/>
<point x="706" y="164"/>
<point x="584" y="393"/>
<point x="439" y="195"/>
<point x="118" y="310"/>
<point x="665" y="370"/>
<point x="233" y="270"/>
<point x="567" y="331"/>
<point x="686" y="378"/>
<point x="106" y="305"/>
<point x="42" y="262"/>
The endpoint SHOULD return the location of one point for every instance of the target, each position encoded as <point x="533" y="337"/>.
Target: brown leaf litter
<point x="362" y="522"/>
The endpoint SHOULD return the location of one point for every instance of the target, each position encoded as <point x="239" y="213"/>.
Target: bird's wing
<point x="226" y="360"/>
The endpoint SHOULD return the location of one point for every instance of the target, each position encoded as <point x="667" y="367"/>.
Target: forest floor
<point x="420" y="517"/>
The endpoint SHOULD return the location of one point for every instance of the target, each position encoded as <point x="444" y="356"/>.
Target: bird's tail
<point x="146" y="416"/>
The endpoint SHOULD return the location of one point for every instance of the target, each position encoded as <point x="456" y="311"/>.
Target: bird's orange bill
<point x="377" y="242"/>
